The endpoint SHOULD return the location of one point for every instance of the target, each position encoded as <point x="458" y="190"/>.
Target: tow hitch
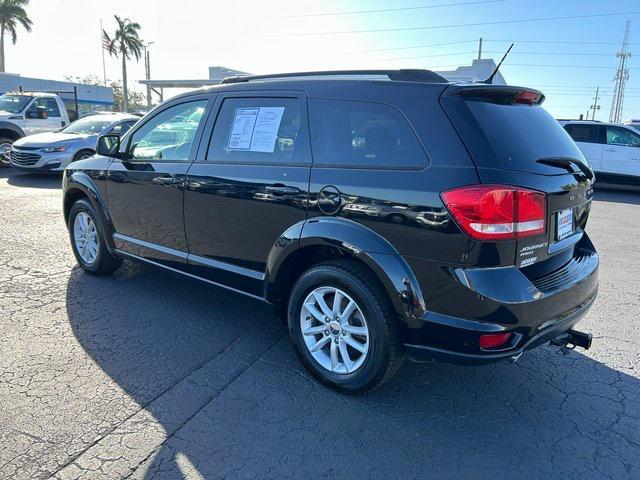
<point x="573" y="339"/>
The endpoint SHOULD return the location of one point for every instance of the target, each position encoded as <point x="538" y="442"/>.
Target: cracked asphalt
<point x="146" y="375"/>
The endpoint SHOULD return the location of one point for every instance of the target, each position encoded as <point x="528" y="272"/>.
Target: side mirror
<point x="109" y="145"/>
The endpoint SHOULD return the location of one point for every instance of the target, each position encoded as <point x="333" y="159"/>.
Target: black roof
<point x="402" y="75"/>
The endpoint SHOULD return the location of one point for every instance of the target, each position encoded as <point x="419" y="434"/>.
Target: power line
<point x="410" y="47"/>
<point x="379" y="10"/>
<point x="585" y="54"/>
<point x="408" y="58"/>
<point x="553" y="42"/>
<point x="555" y="65"/>
<point x="458" y="25"/>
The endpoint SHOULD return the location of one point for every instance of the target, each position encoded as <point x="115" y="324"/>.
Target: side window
<point x="622" y="136"/>
<point x="47" y="104"/>
<point x="257" y="130"/>
<point x="122" y="128"/>
<point x="33" y="111"/>
<point x="52" y="107"/>
<point x="360" y="134"/>
<point x="168" y="135"/>
<point x="582" y="132"/>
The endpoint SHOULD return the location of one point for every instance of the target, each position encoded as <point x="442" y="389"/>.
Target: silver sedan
<point x="53" y="151"/>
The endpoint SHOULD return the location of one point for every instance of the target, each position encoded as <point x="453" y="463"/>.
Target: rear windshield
<point x="513" y="137"/>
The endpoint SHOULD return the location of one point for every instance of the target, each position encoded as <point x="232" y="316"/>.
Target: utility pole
<point x="147" y="72"/>
<point x="104" y="66"/>
<point x="595" y="105"/>
<point x="620" y="79"/>
<point x="480" y="48"/>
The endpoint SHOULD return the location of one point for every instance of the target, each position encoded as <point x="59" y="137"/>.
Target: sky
<point x="566" y="58"/>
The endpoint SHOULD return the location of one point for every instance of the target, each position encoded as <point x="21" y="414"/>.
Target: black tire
<point x="396" y="218"/>
<point x="5" y="161"/>
<point x="104" y="263"/>
<point x="83" y="154"/>
<point x="385" y="355"/>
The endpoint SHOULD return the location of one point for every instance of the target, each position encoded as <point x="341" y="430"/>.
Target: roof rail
<point x="402" y="75"/>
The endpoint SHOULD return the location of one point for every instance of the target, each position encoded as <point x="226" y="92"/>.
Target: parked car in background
<point x="633" y="123"/>
<point x="612" y="150"/>
<point x="383" y="217"/>
<point x="23" y="114"/>
<point x="53" y="151"/>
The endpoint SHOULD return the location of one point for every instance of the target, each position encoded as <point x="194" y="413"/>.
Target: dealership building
<point x="90" y="98"/>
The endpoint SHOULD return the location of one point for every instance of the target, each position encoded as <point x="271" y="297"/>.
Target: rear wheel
<point x="343" y="327"/>
<point x="87" y="240"/>
<point x="5" y="151"/>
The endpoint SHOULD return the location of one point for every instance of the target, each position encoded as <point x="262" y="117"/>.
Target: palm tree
<point x="12" y="13"/>
<point x="125" y="42"/>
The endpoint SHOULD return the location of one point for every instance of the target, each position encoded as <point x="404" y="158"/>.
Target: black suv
<point x="384" y="212"/>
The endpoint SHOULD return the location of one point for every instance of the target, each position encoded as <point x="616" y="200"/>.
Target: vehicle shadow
<point x="547" y="416"/>
<point x="31" y="180"/>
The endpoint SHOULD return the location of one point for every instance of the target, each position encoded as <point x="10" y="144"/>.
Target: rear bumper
<point x="502" y="300"/>
<point x="423" y="353"/>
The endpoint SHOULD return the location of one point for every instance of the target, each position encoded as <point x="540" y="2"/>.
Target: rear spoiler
<point x="497" y="93"/>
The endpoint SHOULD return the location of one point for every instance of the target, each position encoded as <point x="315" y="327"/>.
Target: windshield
<point x="14" y="103"/>
<point x="87" y="126"/>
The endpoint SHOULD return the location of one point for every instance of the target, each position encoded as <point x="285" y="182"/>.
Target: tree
<point x="12" y="14"/>
<point x="135" y="100"/>
<point x="125" y="42"/>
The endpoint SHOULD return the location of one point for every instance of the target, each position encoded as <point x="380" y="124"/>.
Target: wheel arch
<point x="82" y="151"/>
<point x="11" y="130"/>
<point x="317" y="240"/>
<point x="79" y="185"/>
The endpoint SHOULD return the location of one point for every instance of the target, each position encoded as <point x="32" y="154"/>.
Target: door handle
<point x="166" y="180"/>
<point x="282" y="190"/>
<point x="610" y="149"/>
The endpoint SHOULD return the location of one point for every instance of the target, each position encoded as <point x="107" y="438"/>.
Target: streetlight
<point x="147" y="72"/>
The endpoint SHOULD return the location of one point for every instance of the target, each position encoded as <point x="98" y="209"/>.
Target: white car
<point x="53" y="151"/>
<point x="612" y="150"/>
<point x="635" y="123"/>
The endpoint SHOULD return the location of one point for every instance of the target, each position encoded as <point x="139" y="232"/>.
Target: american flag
<point x="105" y="41"/>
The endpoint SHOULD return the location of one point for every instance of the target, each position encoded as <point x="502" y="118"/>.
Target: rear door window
<point x="583" y="132"/>
<point x="622" y="136"/>
<point x="353" y="134"/>
<point x="52" y="107"/>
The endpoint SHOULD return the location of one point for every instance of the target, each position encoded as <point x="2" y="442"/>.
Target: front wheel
<point x="343" y="327"/>
<point x="82" y="154"/>
<point x="5" y="151"/>
<point x="87" y="240"/>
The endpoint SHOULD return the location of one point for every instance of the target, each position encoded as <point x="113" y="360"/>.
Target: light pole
<point x="147" y="72"/>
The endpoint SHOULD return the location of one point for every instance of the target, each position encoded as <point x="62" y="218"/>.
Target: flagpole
<point x="104" y="68"/>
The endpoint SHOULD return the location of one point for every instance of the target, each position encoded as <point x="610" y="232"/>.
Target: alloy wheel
<point x="338" y="336"/>
<point x="85" y="236"/>
<point x="5" y="153"/>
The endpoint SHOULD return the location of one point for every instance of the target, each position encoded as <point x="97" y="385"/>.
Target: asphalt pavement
<point x="148" y="375"/>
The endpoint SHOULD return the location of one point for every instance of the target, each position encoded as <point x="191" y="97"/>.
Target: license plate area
<point x="565" y="225"/>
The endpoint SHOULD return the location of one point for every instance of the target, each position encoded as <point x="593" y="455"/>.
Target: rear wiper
<point x="567" y="163"/>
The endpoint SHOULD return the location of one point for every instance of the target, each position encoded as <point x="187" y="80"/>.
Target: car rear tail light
<point x="494" y="340"/>
<point x="497" y="212"/>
